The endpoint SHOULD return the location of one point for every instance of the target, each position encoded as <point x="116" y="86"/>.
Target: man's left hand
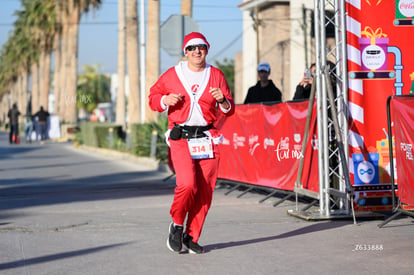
<point x="219" y="97"/>
<point x="217" y="94"/>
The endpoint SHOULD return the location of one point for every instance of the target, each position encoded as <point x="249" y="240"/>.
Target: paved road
<point x="72" y="211"/>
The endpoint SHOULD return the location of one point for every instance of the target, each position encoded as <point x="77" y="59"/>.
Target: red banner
<point x="402" y="114"/>
<point x="263" y="145"/>
<point x="379" y="65"/>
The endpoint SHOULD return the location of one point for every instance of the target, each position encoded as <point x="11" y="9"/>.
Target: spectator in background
<point x="303" y="89"/>
<point x="93" y="117"/>
<point x="42" y="117"/>
<point x="264" y="90"/>
<point x="102" y="116"/>
<point x="28" y="128"/>
<point x="13" y="115"/>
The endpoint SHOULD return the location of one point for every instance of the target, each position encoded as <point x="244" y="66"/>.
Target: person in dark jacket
<point x="265" y="90"/>
<point x="13" y="115"/>
<point x="42" y="117"/>
<point x="303" y="89"/>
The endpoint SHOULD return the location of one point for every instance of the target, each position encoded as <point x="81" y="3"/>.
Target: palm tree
<point x="153" y="53"/>
<point x="93" y="88"/>
<point x="36" y="24"/>
<point x="13" y="68"/>
<point x="133" y="62"/>
<point x="24" y="51"/>
<point x="48" y="32"/>
<point x="57" y="54"/>
<point x="39" y="22"/>
<point x="14" y="60"/>
<point x="26" y="25"/>
<point x="42" y="22"/>
<point x="120" y="99"/>
<point x="8" y="70"/>
<point x="72" y="11"/>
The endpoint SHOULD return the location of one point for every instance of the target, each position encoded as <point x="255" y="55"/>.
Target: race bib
<point x="200" y="148"/>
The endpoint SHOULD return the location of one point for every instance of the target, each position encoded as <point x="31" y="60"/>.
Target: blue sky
<point x="219" y="20"/>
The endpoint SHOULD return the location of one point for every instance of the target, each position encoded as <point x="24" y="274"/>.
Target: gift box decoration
<point x="374" y="49"/>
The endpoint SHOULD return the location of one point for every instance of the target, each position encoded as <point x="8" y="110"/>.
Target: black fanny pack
<point x="187" y="132"/>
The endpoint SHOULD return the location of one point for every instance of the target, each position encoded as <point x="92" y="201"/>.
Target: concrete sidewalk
<point x="70" y="211"/>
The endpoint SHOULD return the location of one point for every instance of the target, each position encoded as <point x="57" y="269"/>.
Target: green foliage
<point x="97" y="134"/>
<point x="78" y="138"/>
<point x="141" y="135"/>
<point x="93" y="88"/>
<point x="161" y="126"/>
<point x="227" y="67"/>
<point x="103" y="134"/>
<point x="119" y="144"/>
<point x="141" y="139"/>
<point x="87" y="136"/>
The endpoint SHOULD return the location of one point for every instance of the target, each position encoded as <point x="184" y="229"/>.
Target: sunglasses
<point x="201" y="47"/>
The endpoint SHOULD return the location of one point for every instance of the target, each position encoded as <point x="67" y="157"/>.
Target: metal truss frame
<point x="334" y="198"/>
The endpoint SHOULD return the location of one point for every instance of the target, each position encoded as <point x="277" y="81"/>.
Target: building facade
<point x="278" y="32"/>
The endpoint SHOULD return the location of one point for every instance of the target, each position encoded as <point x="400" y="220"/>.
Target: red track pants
<point x="196" y="180"/>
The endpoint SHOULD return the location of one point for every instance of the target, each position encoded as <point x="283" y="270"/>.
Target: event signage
<point x="263" y="146"/>
<point x="380" y="64"/>
<point x="402" y="109"/>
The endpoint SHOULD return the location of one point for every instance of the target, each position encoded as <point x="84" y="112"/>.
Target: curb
<point x="144" y="161"/>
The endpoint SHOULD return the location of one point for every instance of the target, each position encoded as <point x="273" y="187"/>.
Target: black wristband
<point x="220" y="102"/>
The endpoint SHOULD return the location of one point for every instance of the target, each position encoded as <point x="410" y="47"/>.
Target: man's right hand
<point x="172" y="99"/>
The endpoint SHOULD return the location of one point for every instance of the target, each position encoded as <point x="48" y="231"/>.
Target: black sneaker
<point x="175" y="238"/>
<point x="186" y="241"/>
<point x="192" y="247"/>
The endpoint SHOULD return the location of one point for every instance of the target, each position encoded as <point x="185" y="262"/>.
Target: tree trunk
<point x="72" y="64"/>
<point x="20" y="94"/>
<point x="35" y="87"/>
<point x="187" y="7"/>
<point x="24" y="83"/>
<point x="59" y="51"/>
<point x="56" y="75"/>
<point x="14" y="94"/>
<point x="4" y="107"/>
<point x="133" y="63"/>
<point x="44" y="79"/>
<point x="42" y="90"/>
<point x="63" y="100"/>
<point x="153" y="53"/>
<point x="120" y="98"/>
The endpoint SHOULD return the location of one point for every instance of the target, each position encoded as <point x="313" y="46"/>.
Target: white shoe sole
<point x="186" y="249"/>
<point x="168" y="245"/>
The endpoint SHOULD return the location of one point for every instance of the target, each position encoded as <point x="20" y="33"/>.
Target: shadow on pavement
<point x="7" y="152"/>
<point x="301" y="231"/>
<point x="48" y="191"/>
<point x="53" y="173"/>
<point x="52" y="165"/>
<point x="48" y="258"/>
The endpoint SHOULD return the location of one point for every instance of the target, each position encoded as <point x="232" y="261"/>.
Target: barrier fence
<point x="263" y="145"/>
<point x="400" y="111"/>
